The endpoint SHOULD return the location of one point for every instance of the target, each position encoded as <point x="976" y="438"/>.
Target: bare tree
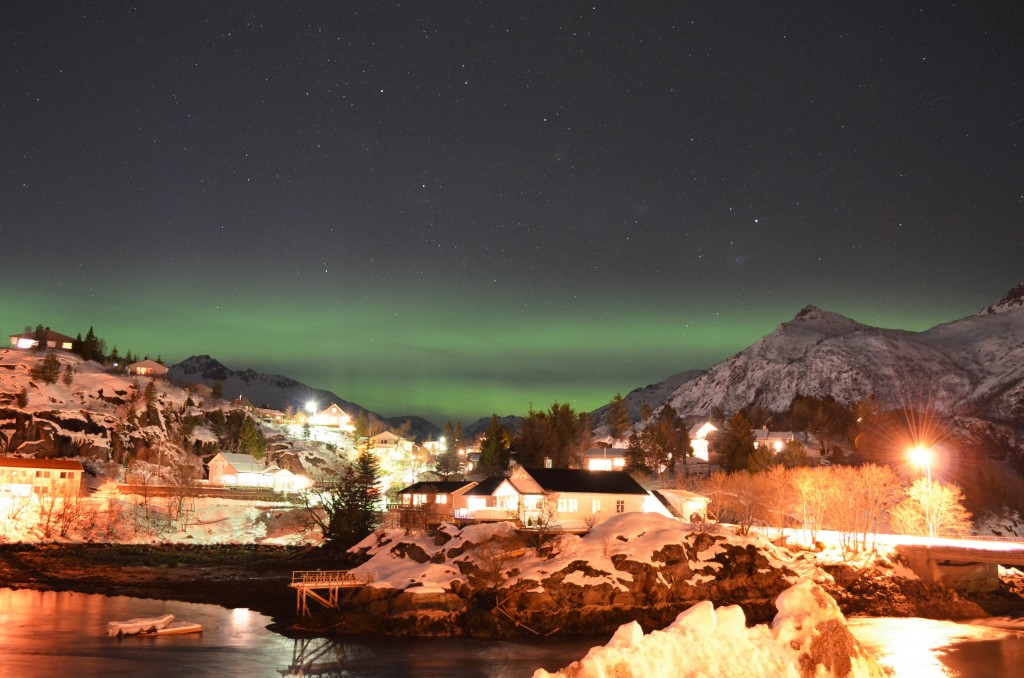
<point x="145" y="477"/>
<point x="71" y="508"/>
<point x="813" y="488"/>
<point x="876" y="491"/>
<point x="184" y="479"/>
<point x="941" y="504"/>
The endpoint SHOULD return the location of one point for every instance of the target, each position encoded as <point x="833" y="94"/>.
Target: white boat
<point x="164" y="625"/>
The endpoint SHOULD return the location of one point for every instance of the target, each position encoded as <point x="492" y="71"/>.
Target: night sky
<point x="453" y="209"/>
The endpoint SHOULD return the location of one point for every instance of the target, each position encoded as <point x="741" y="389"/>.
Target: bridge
<point x="307" y="583"/>
<point x="966" y="566"/>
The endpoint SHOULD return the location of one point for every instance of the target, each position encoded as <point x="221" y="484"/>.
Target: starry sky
<point x="456" y="208"/>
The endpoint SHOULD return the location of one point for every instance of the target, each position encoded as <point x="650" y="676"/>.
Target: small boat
<point x="164" y="625"/>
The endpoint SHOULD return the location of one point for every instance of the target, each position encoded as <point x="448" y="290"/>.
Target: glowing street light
<point x="922" y="456"/>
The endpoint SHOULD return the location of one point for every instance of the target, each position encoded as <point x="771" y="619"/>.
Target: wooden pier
<point x="307" y="583"/>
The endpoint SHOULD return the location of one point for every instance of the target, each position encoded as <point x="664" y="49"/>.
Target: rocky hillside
<point x="106" y="420"/>
<point x="491" y="580"/>
<point x="487" y="580"/>
<point x="971" y="368"/>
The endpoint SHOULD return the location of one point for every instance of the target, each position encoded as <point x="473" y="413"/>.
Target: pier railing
<point x="328" y="578"/>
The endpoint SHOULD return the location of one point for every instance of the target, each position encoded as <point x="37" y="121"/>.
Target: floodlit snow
<point x="708" y="642"/>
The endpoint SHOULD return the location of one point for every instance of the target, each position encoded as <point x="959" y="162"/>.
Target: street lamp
<point x="922" y="456"/>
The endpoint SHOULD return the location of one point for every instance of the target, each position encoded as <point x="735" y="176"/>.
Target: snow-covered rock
<point x="808" y="637"/>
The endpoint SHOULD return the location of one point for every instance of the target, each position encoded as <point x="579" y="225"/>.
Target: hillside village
<point x="134" y="435"/>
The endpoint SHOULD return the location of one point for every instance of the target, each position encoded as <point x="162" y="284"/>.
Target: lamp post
<point x="922" y="456"/>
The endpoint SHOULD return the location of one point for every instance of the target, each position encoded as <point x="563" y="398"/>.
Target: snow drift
<point x="809" y="637"/>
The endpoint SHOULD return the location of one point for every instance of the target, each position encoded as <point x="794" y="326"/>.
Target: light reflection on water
<point x="56" y="634"/>
<point x="926" y="648"/>
<point x="45" y="633"/>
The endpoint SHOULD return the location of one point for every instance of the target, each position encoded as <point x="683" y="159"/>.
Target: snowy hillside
<point x="280" y="392"/>
<point x="973" y="367"/>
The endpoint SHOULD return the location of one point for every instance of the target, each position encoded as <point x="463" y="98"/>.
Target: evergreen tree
<point x="69" y="375"/>
<point x="448" y="464"/>
<point x="47" y="370"/>
<point x="645" y="412"/>
<point x="115" y="358"/>
<point x="618" y="418"/>
<point x="92" y="346"/>
<point x="218" y="389"/>
<point x="736" y="442"/>
<point x="251" y="439"/>
<point x="360" y="426"/>
<point x="349" y="506"/>
<point x="494" y="448"/>
<point x="661" y="445"/>
<point x="534" y="439"/>
<point x="636" y="455"/>
<point x="149" y="395"/>
<point x="39" y="337"/>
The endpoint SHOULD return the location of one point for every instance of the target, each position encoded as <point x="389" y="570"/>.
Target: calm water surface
<point x="64" y="634"/>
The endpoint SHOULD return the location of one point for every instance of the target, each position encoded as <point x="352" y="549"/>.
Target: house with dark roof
<point x="431" y="502"/>
<point x="52" y="340"/>
<point x="566" y="498"/>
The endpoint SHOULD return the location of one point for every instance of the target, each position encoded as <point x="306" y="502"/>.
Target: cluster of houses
<point x="705" y="455"/>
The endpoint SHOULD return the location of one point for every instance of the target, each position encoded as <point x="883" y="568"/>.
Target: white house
<point x="243" y="470"/>
<point x="605" y="459"/>
<point x="148" y="368"/>
<point x="701" y="436"/>
<point x="332" y="416"/>
<point x="567" y="498"/>
<point x="389" y="445"/>
<point x="774" y="440"/>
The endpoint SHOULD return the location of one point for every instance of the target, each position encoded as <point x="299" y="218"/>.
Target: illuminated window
<point x="441" y="499"/>
<point x="568" y="505"/>
<point x="595" y="505"/>
<point x="620" y="505"/>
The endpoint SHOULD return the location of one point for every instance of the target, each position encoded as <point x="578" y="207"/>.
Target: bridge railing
<point x="330" y="577"/>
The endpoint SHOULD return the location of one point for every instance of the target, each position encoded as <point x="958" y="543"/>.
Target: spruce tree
<point x="39" y="338"/>
<point x="69" y="375"/>
<point x="494" y="448"/>
<point x="618" y="418"/>
<point x="218" y="389"/>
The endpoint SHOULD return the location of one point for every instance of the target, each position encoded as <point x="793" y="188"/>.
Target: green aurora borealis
<point x="399" y="353"/>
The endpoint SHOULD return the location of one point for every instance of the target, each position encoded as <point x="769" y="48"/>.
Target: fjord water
<point x="64" y="633"/>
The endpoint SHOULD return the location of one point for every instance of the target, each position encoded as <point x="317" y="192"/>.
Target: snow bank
<point x="808" y="637"/>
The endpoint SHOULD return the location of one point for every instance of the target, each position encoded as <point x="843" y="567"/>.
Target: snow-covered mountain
<point x="652" y="395"/>
<point x="972" y="367"/>
<point x="279" y="392"/>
